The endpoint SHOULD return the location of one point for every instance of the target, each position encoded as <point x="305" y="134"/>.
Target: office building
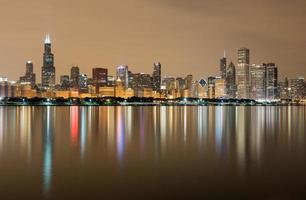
<point x="74" y="75"/>
<point x="48" y="69"/>
<point x="30" y="76"/>
<point x="122" y="73"/>
<point x="258" y="82"/>
<point x="296" y="88"/>
<point x="64" y="82"/>
<point x="223" y="65"/>
<point x="230" y="81"/>
<point x="242" y="73"/>
<point x="99" y="77"/>
<point x="271" y="81"/>
<point x="156" y="77"/>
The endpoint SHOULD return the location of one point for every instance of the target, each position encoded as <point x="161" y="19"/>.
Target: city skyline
<point x="184" y="36"/>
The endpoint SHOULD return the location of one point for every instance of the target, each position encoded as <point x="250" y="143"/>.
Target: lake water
<point x="60" y="152"/>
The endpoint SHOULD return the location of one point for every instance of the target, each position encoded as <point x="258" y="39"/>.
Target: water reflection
<point x="241" y="139"/>
<point x="47" y="150"/>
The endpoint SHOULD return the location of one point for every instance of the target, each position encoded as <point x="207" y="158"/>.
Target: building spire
<point x="47" y="39"/>
<point x="224" y="54"/>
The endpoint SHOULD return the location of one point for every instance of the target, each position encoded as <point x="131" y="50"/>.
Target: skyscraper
<point x="74" y="76"/>
<point x="157" y="76"/>
<point x="64" y="82"/>
<point x="123" y="74"/>
<point x="29" y="76"/>
<point x="283" y="88"/>
<point x="48" y="69"/>
<point x="231" y="87"/>
<point x="82" y="83"/>
<point x="223" y="66"/>
<point x="296" y="88"/>
<point x="271" y="81"/>
<point x="99" y="76"/>
<point x="242" y="73"/>
<point x="258" y="81"/>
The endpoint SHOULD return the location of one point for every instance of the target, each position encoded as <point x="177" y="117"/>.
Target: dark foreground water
<point x="152" y="152"/>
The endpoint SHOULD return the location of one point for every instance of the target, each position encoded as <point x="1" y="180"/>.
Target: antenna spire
<point x="47" y="39"/>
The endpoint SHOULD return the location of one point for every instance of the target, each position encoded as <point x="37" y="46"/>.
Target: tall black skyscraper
<point x="271" y="81"/>
<point x="48" y="69"/>
<point x="157" y="77"/>
<point x="231" y="87"/>
<point x="223" y="66"/>
<point x="74" y="76"/>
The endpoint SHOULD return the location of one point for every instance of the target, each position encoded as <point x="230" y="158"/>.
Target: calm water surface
<point x="152" y="152"/>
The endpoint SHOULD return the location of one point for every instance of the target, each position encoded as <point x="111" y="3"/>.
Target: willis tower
<point x="48" y="69"/>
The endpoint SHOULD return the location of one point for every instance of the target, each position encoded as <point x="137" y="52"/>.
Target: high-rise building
<point x="283" y="88"/>
<point x="258" y="81"/>
<point x="64" y="82"/>
<point x="122" y="73"/>
<point x="29" y="76"/>
<point x="82" y="83"/>
<point x="48" y="69"/>
<point x="219" y="87"/>
<point x="296" y="88"/>
<point x="99" y="76"/>
<point x="242" y="73"/>
<point x="230" y="81"/>
<point x="156" y="76"/>
<point x="223" y="66"/>
<point x="211" y="87"/>
<point x="141" y="80"/>
<point x="271" y="81"/>
<point x="74" y="75"/>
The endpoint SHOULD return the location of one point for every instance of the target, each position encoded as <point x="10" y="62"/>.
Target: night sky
<point x="186" y="36"/>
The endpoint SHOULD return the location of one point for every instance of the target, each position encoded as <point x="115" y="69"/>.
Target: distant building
<point x="242" y="73"/>
<point x="156" y="77"/>
<point x="223" y="65"/>
<point x="211" y="87"/>
<point x="119" y="89"/>
<point x="48" y="69"/>
<point x="122" y="73"/>
<point x="64" y="82"/>
<point x="5" y="87"/>
<point x="271" y="81"/>
<point x="220" y="88"/>
<point x="296" y="88"/>
<point x="82" y="83"/>
<point x="230" y="81"/>
<point x="283" y="89"/>
<point x="74" y="75"/>
<point x="258" y="81"/>
<point x="30" y="76"/>
<point x="99" y="76"/>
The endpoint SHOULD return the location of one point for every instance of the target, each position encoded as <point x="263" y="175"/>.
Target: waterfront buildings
<point x="243" y="81"/>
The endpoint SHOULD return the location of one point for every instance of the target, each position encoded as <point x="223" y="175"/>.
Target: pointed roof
<point x="47" y="39"/>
